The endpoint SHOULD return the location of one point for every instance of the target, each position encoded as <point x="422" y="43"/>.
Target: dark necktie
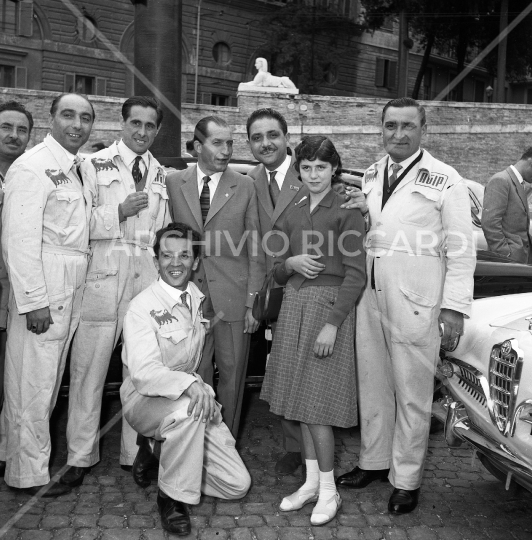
<point x="77" y="168"/>
<point x="184" y="301"/>
<point x="137" y="175"/>
<point x="205" y="198"/>
<point x="274" y="188"/>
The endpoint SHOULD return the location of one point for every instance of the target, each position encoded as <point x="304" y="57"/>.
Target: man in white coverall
<point x="45" y="236"/>
<point x="163" y="396"/>
<point x="420" y="268"/>
<point x="129" y="205"/>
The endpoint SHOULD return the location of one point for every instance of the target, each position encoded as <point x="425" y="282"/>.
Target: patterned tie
<point x="205" y="198"/>
<point x="184" y="301"/>
<point x="137" y="175"/>
<point x="77" y="168"/>
<point x="393" y="178"/>
<point x="274" y="188"/>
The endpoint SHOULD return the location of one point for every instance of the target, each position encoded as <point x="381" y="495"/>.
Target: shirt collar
<point x="281" y="170"/>
<point x="213" y="184"/>
<point x="518" y="174"/>
<point x="404" y="164"/>
<point x="128" y="156"/>
<point x="174" y="293"/>
<point x="61" y="154"/>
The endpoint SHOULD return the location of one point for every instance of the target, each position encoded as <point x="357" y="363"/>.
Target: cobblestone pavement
<point x="459" y="499"/>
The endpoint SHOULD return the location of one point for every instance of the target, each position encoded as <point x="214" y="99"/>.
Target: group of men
<point x="118" y="202"/>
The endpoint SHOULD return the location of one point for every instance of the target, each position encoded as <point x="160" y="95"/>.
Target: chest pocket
<point x="173" y="335"/>
<point x="107" y="183"/>
<point x="68" y="212"/>
<point x="158" y="197"/>
<point x="421" y="208"/>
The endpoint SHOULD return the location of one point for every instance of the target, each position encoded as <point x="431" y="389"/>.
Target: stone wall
<point x="477" y="139"/>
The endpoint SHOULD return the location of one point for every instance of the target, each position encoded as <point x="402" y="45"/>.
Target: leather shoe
<point x="2" y="469"/>
<point x="289" y="463"/>
<point x="51" y="489"/>
<point x="74" y="476"/>
<point x="359" y="478"/>
<point x="145" y="461"/>
<point x="127" y="468"/>
<point x="174" y="515"/>
<point x="403" y="501"/>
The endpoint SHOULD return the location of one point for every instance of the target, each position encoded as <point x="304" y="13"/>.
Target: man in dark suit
<point x="276" y="183"/>
<point x="222" y="205"/>
<point x="505" y="216"/>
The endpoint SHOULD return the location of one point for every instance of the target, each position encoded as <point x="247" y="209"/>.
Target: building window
<point x="386" y="73"/>
<point x="83" y="84"/>
<point x="330" y="73"/>
<point x="7" y="76"/>
<point x="221" y="53"/>
<point x="86" y="28"/>
<point x="220" y="100"/>
<point x="480" y="89"/>
<point x="16" y="17"/>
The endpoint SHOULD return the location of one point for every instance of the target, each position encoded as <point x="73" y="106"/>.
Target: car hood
<point x="514" y="309"/>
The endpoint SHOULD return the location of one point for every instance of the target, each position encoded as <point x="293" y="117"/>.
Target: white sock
<point x="327" y="485"/>
<point x="312" y="480"/>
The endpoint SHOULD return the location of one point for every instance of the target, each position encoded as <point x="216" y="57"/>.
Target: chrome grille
<point x="471" y="383"/>
<point x="506" y="361"/>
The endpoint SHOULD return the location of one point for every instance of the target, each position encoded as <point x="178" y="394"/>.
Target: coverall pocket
<point x="100" y="297"/>
<point x="67" y="205"/>
<point x="60" y="308"/>
<point x="159" y="197"/>
<point x="417" y="319"/>
<point x="175" y="336"/>
<point x="421" y="212"/>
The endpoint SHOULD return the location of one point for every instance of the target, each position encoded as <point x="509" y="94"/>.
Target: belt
<point x="64" y="250"/>
<point x="141" y="245"/>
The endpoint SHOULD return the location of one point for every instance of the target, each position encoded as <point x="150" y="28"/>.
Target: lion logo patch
<point x="57" y="176"/>
<point x="162" y="317"/>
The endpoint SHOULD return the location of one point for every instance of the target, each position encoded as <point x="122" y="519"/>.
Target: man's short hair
<point x="267" y="113"/>
<point x="527" y="154"/>
<point x="405" y="102"/>
<point x="142" y="101"/>
<point x="17" y="107"/>
<point x="189" y="145"/>
<point x="55" y="103"/>
<point x="201" y="131"/>
<point x="178" y="230"/>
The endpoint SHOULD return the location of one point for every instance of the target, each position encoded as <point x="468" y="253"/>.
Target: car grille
<point x="506" y="361"/>
<point x="471" y="384"/>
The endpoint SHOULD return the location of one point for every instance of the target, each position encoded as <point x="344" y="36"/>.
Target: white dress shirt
<point x="281" y="171"/>
<point x="128" y="157"/>
<point x="213" y="184"/>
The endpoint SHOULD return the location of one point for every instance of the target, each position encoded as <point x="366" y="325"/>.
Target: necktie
<point x="77" y="168"/>
<point x="137" y="175"/>
<point x="274" y="188"/>
<point x="184" y="301"/>
<point x="205" y="198"/>
<point x="393" y="178"/>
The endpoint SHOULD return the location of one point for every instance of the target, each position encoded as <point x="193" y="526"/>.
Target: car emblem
<point x="506" y="348"/>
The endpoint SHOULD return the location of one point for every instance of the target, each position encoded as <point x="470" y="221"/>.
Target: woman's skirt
<point x="300" y="386"/>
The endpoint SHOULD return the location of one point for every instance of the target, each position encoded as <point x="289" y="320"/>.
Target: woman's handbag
<point x="268" y="300"/>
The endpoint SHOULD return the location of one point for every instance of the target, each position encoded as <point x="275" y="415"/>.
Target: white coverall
<point x="45" y="236"/>
<point x="422" y="252"/>
<point x="120" y="268"/>
<point x="163" y="343"/>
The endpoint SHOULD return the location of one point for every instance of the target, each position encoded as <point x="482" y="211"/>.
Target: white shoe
<point x="298" y="499"/>
<point x="325" y="511"/>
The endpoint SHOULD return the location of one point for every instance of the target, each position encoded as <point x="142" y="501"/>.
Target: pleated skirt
<point x="297" y="384"/>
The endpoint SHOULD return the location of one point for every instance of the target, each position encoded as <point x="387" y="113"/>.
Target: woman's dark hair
<point x="314" y="147"/>
<point x="178" y="230"/>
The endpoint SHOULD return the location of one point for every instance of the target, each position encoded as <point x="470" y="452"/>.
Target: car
<point x="485" y="398"/>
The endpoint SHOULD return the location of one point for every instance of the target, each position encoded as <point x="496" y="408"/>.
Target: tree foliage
<point x="304" y="38"/>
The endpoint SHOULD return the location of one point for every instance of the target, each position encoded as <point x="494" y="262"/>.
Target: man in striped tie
<point x="222" y="205"/>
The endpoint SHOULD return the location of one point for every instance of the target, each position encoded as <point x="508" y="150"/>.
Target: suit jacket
<point x="232" y="268"/>
<point x="269" y="216"/>
<point x="505" y="217"/>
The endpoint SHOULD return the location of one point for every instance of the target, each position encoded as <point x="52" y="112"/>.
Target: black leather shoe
<point x="146" y="460"/>
<point x="289" y="463"/>
<point x="74" y="476"/>
<point x="360" y="478"/>
<point x="127" y="468"/>
<point x="403" y="501"/>
<point x="2" y="469"/>
<point x="174" y="515"/>
<point x="51" y="489"/>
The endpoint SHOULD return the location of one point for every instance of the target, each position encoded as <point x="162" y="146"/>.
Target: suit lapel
<point x="519" y="187"/>
<point x="191" y="194"/>
<point x="223" y="193"/>
<point x="291" y="187"/>
<point x="261" y="184"/>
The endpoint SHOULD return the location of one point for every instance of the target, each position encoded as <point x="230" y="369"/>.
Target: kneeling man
<point x="163" y="398"/>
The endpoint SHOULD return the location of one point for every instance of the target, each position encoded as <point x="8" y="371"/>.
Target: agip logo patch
<point x="432" y="180"/>
<point x="162" y="317"/>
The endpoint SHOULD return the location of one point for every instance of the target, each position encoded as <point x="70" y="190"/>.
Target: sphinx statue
<point x="264" y="81"/>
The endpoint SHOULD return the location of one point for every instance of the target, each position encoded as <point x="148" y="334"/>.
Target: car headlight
<point x="446" y="369"/>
